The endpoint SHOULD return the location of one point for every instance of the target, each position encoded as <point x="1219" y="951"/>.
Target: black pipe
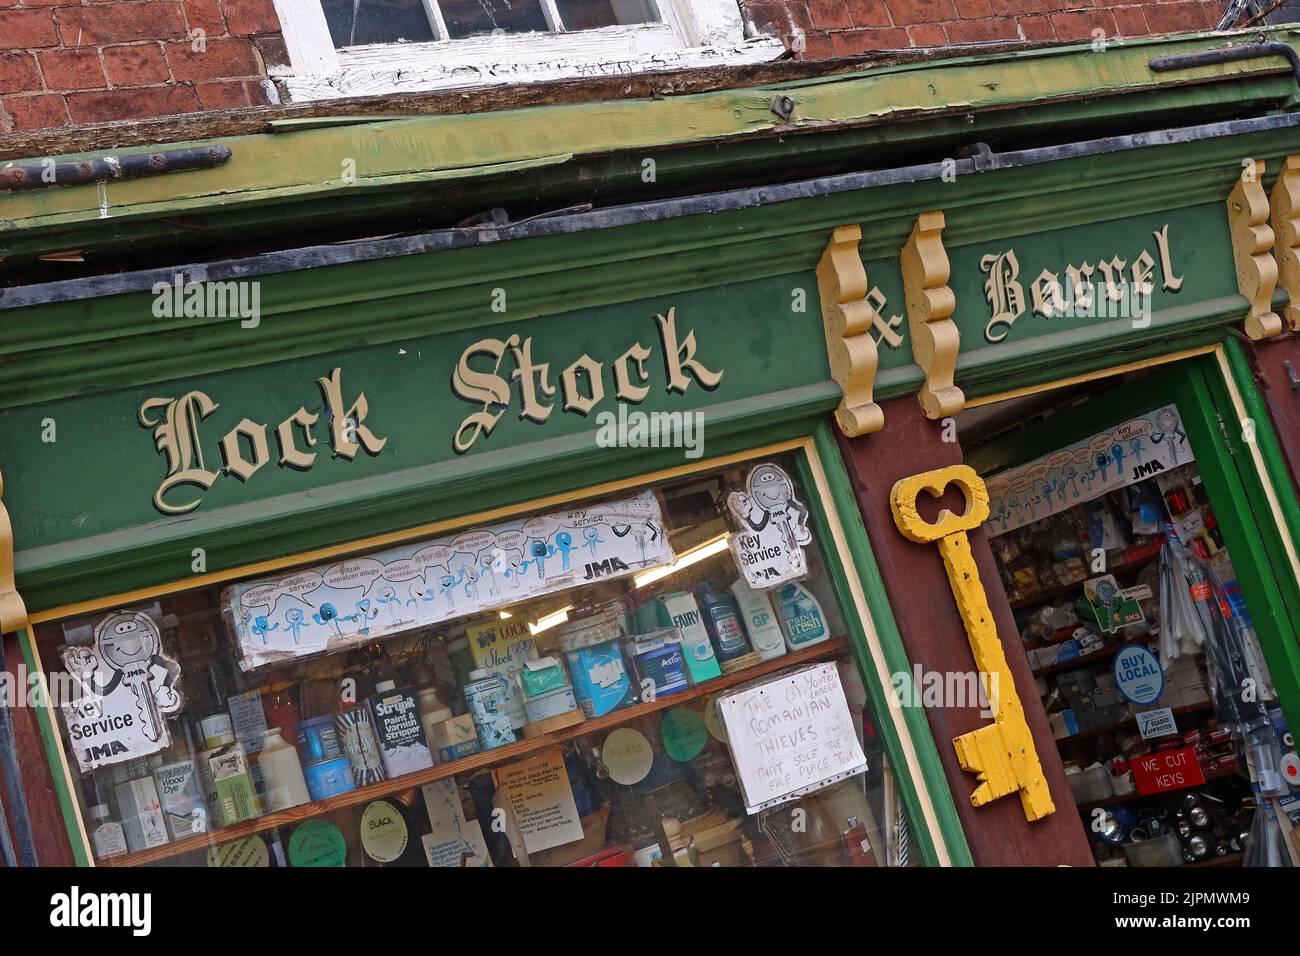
<point x="363" y="250"/>
<point x="1229" y="54"/>
<point x="42" y="174"/>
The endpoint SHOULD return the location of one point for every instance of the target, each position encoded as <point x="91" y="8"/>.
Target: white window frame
<point x="690" y="33"/>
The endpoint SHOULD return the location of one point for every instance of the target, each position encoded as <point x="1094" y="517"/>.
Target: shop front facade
<point x="497" y="544"/>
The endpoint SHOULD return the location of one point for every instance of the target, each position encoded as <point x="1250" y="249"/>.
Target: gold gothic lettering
<point x="582" y="383"/>
<point x="244" y="449"/>
<point x="1124" y="284"/>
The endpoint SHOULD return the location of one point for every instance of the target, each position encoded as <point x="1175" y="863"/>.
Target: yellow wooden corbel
<point x="1002" y="754"/>
<point x="847" y="318"/>
<point x="930" y="304"/>
<point x="1252" y="244"/>
<point x="1284" y="207"/>
<point x="13" y="613"/>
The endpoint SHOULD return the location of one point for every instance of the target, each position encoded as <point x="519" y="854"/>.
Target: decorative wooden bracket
<point x="1285" y="219"/>
<point x="930" y="304"/>
<point x="847" y="318"/>
<point x="1002" y="754"/>
<point x="13" y="613"/>
<point x="1252" y="244"/>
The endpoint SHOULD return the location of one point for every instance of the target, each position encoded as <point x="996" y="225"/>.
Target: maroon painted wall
<point x="932" y="632"/>
<point x="48" y="829"/>
<point x="1269" y="361"/>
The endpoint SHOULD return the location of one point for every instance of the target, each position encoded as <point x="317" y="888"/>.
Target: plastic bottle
<point x="760" y="620"/>
<point x="108" y="838"/>
<point x="802" y="619"/>
<point x="722" y="620"/>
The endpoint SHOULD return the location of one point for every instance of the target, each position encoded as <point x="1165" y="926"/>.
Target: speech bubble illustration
<point x="543" y="526"/>
<point x="512" y="540"/>
<point x="1134" y="429"/>
<point x="264" y="595"/>
<point x="433" y="555"/>
<point x="472" y="542"/>
<point x="403" y="569"/>
<point x="298" y="586"/>
<point x="353" y="573"/>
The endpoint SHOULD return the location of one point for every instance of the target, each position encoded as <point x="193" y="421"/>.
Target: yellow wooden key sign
<point x="1002" y="755"/>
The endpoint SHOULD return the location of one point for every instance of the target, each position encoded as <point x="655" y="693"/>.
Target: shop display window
<point x="1144" y="652"/>
<point x="540" y="689"/>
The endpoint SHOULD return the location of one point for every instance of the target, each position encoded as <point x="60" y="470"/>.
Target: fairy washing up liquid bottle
<point x="802" y="619"/>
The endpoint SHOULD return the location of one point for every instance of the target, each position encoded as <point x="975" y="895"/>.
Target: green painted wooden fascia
<point x="307" y="164"/>
<point x="331" y="516"/>
<point x="63" y="349"/>
<point x="1270" y="448"/>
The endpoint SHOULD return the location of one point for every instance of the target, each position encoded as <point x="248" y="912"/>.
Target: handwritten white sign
<point x="539" y="794"/>
<point x="790" y="736"/>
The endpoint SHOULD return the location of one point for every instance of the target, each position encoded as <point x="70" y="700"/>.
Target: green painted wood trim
<point x="706" y="168"/>
<point x="864" y="568"/>
<point x="65" y="347"/>
<point x="273" y="528"/>
<point x="1270" y="448"/>
<point x="286" y="166"/>
<point x="53" y="745"/>
<point x="1267" y="578"/>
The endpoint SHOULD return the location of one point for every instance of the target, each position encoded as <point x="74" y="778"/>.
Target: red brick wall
<point x="844" y="27"/>
<point x="90" y="61"/>
<point x="85" y="61"/>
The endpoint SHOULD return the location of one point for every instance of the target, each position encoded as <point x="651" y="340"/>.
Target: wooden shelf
<point x="1132" y="797"/>
<point x="1130" y="722"/>
<point x="1228" y="859"/>
<point x="1146" y="556"/>
<point x="830" y="650"/>
<point x="1106" y="653"/>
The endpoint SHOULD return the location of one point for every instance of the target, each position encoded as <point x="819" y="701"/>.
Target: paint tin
<point x="357" y="738"/>
<point x="591" y="648"/>
<point x="327" y="778"/>
<point x="318" y="740"/>
<point x="485" y="699"/>
<point x="663" y="666"/>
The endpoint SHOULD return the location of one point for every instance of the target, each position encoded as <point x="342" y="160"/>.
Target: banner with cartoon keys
<point x="1150" y="444"/>
<point x="128" y="687"/>
<point x="773" y="528"/>
<point x="416" y="585"/>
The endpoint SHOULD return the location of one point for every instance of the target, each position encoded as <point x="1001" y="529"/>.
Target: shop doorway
<point x="1155" y="594"/>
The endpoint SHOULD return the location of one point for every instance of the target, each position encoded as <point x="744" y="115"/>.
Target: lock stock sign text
<point x="178" y="432"/>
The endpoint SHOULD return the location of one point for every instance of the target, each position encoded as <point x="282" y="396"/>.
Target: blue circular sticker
<point x="1138" y="675"/>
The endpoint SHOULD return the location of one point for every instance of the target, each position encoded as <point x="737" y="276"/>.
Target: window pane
<point x="354" y="22"/>
<point x="469" y="18"/>
<point x="589" y="14"/>
<point x="378" y="711"/>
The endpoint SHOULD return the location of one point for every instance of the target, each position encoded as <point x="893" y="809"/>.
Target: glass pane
<point x="377" y="710"/>
<point x="354" y="22"/>
<point x="589" y="14"/>
<point x="471" y="18"/>
<point x="1139" y="638"/>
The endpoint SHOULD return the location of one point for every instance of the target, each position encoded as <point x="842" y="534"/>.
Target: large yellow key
<point x="1002" y="755"/>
